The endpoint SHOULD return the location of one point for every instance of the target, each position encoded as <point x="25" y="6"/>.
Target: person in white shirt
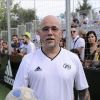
<point x="29" y="46"/>
<point x="52" y="72"/>
<point x="77" y="42"/>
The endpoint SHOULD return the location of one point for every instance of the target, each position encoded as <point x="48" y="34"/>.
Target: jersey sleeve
<point x="80" y="78"/>
<point x="21" y="79"/>
<point x="33" y="48"/>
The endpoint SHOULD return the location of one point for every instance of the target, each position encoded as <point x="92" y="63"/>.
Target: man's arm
<point x="84" y="94"/>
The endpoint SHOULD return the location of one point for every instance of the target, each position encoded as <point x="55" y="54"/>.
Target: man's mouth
<point x="50" y="39"/>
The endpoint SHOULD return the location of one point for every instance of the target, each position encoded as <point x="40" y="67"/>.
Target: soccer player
<point x="52" y="72"/>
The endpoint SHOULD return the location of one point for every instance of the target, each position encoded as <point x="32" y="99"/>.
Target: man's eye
<point x="54" y="28"/>
<point x="45" y="29"/>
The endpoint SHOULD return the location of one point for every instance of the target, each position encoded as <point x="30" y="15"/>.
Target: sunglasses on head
<point x="47" y="28"/>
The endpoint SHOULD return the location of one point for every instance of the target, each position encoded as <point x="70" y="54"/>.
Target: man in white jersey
<point x="52" y="72"/>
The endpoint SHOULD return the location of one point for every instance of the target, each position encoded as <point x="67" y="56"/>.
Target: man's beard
<point x="52" y="45"/>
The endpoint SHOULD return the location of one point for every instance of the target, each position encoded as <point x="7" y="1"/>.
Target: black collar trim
<point x="49" y="57"/>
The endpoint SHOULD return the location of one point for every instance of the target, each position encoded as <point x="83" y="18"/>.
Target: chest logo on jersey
<point x="67" y="66"/>
<point x="38" y="69"/>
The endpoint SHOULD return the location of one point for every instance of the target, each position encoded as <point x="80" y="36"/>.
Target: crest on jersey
<point x="67" y="66"/>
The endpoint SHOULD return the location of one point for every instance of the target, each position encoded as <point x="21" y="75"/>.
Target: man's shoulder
<point x="68" y="52"/>
<point x="34" y="53"/>
<point x="80" y="40"/>
<point x="70" y="55"/>
<point x="32" y="44"/>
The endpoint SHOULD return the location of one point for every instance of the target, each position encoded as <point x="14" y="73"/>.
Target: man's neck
<point x="51" y="52"/>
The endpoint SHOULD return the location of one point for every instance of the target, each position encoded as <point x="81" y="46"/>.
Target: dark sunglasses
<point x="73" y="31"/>
<point x="47" y="28"/>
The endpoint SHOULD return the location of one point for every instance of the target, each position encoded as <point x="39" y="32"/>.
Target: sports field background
<point x="4" y="90"/>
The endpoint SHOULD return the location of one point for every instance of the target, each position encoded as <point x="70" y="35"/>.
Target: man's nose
<point x="50" y="31"/>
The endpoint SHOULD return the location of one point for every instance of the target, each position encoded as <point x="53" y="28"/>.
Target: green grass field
<point x="4" y="90"/>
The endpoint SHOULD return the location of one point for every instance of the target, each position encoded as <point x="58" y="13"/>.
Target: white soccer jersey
<point x="51" y="79"/>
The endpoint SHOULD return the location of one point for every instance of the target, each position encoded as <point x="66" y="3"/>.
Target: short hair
<point x="5" y="42"/>
<point x="74" y="25"/>
<point x="15" y="35"/>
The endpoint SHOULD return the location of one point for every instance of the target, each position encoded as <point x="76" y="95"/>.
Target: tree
<point x="84" y="8"/>
<point x="2" y="15"/>
<point x="21" y="16"/>
<point x="2" y="8"/>
<point x="18" y="15"/>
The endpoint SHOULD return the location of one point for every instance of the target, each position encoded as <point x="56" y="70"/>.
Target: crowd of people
<point x="52" y="71"/>
<point x="21" y="46"/>
<point x="87" y="46"/>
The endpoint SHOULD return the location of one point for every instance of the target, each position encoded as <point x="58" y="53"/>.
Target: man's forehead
<point x="73" y="28"/>
<point x="50" y="20"/>
<point x="14" y="37"/>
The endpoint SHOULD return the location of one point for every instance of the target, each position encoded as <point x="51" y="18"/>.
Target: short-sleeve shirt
<point x="51" y="79"/>
<point x="30" y="47"/>
<point x="77" y="43"/>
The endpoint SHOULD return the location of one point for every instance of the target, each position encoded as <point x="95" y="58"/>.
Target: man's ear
<point x="61" y="34"/>
<point x="38" y="33"/>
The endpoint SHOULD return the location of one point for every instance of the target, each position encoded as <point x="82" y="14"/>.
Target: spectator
<point x="98" y="19"/>
<point x="29" y="46"/>
<point x="63" y="43"/>
<point x="85" y="19"/>
<point x="15" y="45"/>
<point x="36" y="39"/>
<point x="96" y="59"/>
<point x="63" y="39"/>
<point x="76" y="21"/>
<point x="1" y="47"/>
<point x="77" y="42"/>
<point x="3" y="58"/>
<point x="16" y="54"/>
<point x="98" y="43"/>
<point x="76" y="52"/>
<point x="82" y="33"/>
<point x="52" y="71"/>
<point x="91" y="47"/>
<point x="5" y="47"/>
